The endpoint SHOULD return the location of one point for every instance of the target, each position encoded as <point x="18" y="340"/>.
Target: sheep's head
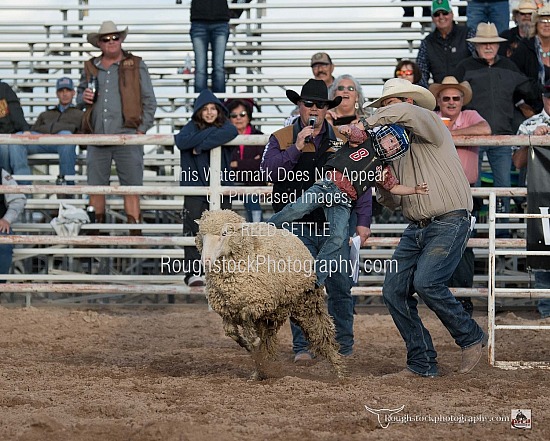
<point x="212" y="222"/>
<point x="216" y="246"/>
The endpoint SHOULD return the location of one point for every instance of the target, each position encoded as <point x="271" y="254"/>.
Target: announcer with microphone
<point x="294" y="158"/>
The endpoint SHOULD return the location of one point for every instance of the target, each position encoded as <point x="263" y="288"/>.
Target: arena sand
<point x="171" y="374"/>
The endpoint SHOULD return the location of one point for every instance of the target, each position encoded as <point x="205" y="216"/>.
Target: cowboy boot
<point x="133" y="220"/>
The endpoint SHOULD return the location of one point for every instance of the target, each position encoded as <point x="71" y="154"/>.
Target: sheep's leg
<point x="318" y="329"/>
<point x="266" y="338"/>
<point x="232" y="331"/>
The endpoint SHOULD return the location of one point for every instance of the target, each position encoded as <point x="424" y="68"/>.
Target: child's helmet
<point x="392" y="149"/>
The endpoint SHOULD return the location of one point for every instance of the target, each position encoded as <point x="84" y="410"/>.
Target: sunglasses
<point x="403" y="72"/>
<point x="544" y="20"/>
<point x="109" y="38"/>
<point x="350" y="88"/>
<point x="235" y="115"/>
<point x="318" y="104"/>
<point x="446" y="99"/>
<point x="439" y="13"/>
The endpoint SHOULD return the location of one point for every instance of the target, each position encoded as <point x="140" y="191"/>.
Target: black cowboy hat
<point x="314" y="90"/>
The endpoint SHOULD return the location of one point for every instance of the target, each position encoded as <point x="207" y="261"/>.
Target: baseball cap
<point x="320" y="58"/>
<point x="64" y="83"/>
<point x="441" y="5"/>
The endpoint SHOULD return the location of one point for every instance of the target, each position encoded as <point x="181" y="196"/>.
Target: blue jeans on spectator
<point x="337" y="215"/>
<point x="497" y="12"/>
<point x="215" y="34"/>
<point x="5" y="157"/>
<point x="500" y="160"/>
<point x="426" y="258"/>
<point x="6" y="256"/>
<point x="253" y="208"/>
<point x="338" y="286"/>
<point x="542" y="281"/>
<point x="16" y="157"/>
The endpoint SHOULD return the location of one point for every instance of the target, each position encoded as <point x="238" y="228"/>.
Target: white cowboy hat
<point x="525" y="7"/>
<point x="486" y="33"/>
<point x="541" y="12"/>
<point x="400" y="88"/>
<point x="452" y="82"/>
<point x="107" y="28"/>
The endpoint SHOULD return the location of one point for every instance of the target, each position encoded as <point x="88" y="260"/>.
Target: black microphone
<point x="311" y="121"/>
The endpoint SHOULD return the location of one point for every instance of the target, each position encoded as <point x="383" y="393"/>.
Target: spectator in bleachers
<point x="63" y="119"/>
<point x="322" y="68"/>
<point x="304" y="147"/>
<point x="442" y="50"/>
<point x="538" y="125"/>
<point x="11" y="207"/>
<point x="209" y="128"/>
<point x="408" y="70"/>
<point x="12" y="121"/>
<point x="489" y="11"/>
<point x="351" y="107"/>
<point x="521" y="15"/>
<point x="532" y="56"/>
<point x="495" y="82"/>
<point x="246" y="158"/>
<point x="451" y="96"/>
<point x="431" y="246"/>
<point x="209" y="27"/>
<point x="123" y="103"/>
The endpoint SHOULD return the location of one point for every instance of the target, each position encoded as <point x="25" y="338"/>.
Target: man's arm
<point x="363" y="209"/>
<point x="15" y="111"/>
<point x="480" y="128"/>
<point x="148" y="100"/>
<point x="274" y="158"/>
<point x="423" y="64"/>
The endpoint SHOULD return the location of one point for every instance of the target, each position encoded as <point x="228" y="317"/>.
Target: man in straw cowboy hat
<point x="293" y="159"/>
<point x="521" y="15"/>
<point x="451" y="96"/>
<point x="433" y="242"/>
<point x="497" y="86"/>
<point x="123" y="103"/>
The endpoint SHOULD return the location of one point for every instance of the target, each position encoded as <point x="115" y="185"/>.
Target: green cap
<point x="441" y="5"/>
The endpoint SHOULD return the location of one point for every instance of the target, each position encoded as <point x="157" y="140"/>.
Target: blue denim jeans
<point x="6" y="256"/>
<point x="215" y="34"/>
<point x="500" y="160"/>
<point x="338" y="284"/>
<point x="16" y="157"/>
<point x="337" y="206"/>
<point x="542" y="281"/>
<point x="253" y="208"/>
<point x="493" y="12"/>
<point x="426" y="259"/>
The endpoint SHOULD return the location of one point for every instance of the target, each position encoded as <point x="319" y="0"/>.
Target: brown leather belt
<point x="423" y="223"/>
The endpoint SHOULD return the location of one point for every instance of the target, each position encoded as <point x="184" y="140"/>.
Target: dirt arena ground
<point x="171" y="374"/>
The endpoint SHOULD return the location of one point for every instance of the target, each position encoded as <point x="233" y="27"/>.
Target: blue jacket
<point x="195" y="145"/>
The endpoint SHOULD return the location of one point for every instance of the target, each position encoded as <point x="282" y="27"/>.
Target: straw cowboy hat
<point x="314" y="90"/>
<point x="541" y="12"/>
<point x="400" y="88"/>
<point x="486" y="33"/>
<point x="525" y="7"/>
<point x="452" y="82"/>
<point x="107" y="28"/>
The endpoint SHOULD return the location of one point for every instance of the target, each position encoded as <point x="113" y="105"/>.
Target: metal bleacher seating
<point x="268" y="52"/>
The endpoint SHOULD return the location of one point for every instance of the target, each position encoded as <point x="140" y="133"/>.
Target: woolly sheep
<point x="255" y="299"/>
